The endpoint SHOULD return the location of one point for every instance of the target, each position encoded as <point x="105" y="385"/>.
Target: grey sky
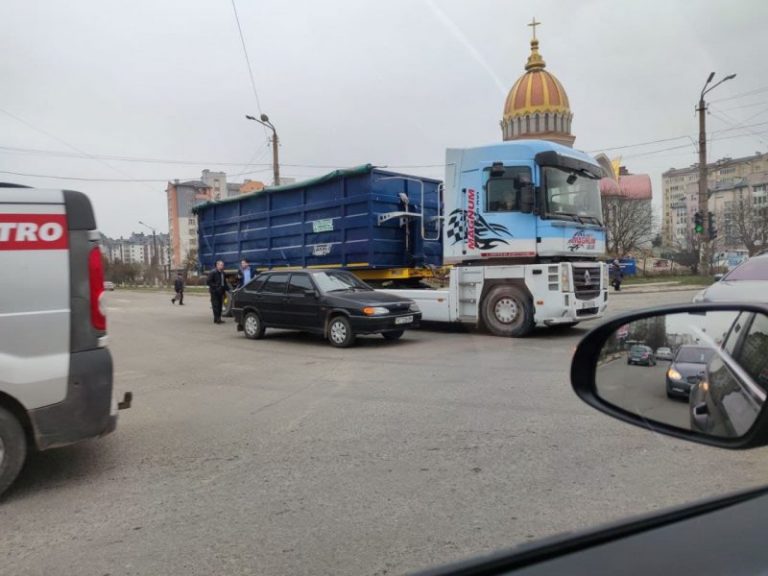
<point x="353" y="81"/>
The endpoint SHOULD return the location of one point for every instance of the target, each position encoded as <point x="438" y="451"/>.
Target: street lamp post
<point x="154" y="249"/>
<point x="264" y="121"/>
<point x="703" y="196"/>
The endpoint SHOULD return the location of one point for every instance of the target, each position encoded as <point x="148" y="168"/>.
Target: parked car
<point x="109" y="285"/>
<point x="664" y="353"/>
<point x="687" y="369"/>
<point x="728" y="400"/>
<point x="333" y="303"/>
<point x="745" y="283"/>
<point x="641" y="354"/>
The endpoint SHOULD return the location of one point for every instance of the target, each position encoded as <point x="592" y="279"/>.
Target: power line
<point x="248" y="63"/>
<point x="741" y="95"/>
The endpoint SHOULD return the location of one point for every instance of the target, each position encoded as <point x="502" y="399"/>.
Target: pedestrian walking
<point x="217" y="286"/>
<point x="244" y="273"/>
<point x="178" y="286"/>
<point x="617" y="275"/>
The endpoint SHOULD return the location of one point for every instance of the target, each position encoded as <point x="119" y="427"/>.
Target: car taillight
<point x="96" y="280"/>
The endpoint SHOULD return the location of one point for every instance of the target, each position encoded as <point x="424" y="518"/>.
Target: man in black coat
<point x="217" y="286"/>
<point x="178" y="286"/>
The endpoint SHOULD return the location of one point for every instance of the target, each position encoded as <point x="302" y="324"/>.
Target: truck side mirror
<point x="527" y="195"/>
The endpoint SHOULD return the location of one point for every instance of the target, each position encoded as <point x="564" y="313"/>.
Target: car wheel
<point x="393" y="335"/>
<point x="507" y="311"/>
<point x="253" y="327"/>
<point x="13" y="449"/>
<point x="340" y="332"/>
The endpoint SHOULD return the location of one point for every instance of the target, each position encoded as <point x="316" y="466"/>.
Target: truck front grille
<point x="586" y="282"/>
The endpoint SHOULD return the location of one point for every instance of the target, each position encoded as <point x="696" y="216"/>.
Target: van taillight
<point x="96" y="279"/>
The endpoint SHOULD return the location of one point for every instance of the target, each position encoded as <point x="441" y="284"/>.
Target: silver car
<point x="745" y="283"/>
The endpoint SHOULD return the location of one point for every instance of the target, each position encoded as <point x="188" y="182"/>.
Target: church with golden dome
<point x="537" y="106"/>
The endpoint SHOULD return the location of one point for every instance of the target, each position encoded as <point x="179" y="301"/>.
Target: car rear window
<point x="639" y="350"/>
<point x="276" y="283"/>
<point x="754" y="269"/>
<point x="694" y="355"/>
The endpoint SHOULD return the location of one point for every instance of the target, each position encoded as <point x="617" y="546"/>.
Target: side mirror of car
<point x="311" y="294"/>
<point x="714" y="389"/>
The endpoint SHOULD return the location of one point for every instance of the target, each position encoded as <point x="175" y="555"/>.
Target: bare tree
<point x="628" y="223"/>
<point x="687" y="251"/>
<point x="750" y="224"/>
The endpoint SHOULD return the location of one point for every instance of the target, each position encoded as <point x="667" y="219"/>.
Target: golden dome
<point x="537" y="90"/>
<point x="537" y="106"/>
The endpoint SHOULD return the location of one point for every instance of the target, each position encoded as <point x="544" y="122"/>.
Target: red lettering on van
<point x="33" y="232"/>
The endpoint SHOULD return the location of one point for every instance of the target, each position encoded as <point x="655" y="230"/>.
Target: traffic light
<point x="698" y="223"/>
<point x="711" y="226"/>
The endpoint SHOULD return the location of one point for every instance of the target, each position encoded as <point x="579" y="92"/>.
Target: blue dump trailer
<point x="382" y="225"/>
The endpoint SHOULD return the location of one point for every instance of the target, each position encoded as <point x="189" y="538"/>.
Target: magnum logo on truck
<point x="33" y="232"/>
<point x="474" y="228"/>
<point x="581" y="239"/>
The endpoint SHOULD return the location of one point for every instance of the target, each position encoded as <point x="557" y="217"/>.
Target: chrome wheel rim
<point x="506" y="310"/>
<point x="338" y="332"/>
<point x="251" y="325"/>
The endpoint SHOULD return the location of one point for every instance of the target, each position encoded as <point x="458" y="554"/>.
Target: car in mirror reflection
<point x="687" y="369"/>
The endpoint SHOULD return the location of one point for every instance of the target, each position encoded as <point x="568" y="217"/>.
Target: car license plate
<point x="404" y="320"/>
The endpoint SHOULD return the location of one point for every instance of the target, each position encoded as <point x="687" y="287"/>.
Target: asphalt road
<point x="286" y="456"/>
<point x="641" y="390"/>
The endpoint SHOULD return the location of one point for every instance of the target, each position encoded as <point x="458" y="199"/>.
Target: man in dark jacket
<point x="617" y="275"/>
<point x="178" y="286"/>
<point x="217" y="286"/>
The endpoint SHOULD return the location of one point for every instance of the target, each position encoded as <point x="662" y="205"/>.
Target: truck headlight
<point x="565" y="277"/>
<point x="375" y="310"/>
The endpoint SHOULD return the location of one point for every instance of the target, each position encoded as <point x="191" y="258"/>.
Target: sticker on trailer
<point x="33" y="232"/>
<point x="321" y="249"/>
<point x="322" y="225"/>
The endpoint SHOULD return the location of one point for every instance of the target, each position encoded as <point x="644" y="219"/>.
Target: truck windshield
<point x="572" y="196"/>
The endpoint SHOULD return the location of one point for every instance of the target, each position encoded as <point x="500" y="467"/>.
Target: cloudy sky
<point x="115" y="97"/>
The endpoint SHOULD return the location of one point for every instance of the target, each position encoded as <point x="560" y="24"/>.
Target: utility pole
<point x="705" y="234"/>
<point x="264" y="121"/>
<point x="153" y="259"/>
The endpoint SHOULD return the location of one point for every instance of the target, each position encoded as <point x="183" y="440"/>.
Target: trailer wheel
<point x="253" y="327"/>
<point x="340" y="332"/>
<point x="13" y="449"/>
<point x="507" y="311"/>
<point x="226" y="310"/>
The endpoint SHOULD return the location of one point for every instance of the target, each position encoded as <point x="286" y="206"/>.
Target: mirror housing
<point x="585" y="364"/>
<point x="311" y="294"/>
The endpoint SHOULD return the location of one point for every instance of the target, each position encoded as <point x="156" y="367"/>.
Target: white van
<point x="55" y="368"/>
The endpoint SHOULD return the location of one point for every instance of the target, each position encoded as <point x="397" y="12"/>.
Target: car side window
<point x="276" y="284"/>
<point x="752" y="354"/>
<point x="256" y="284"/>
<point x="300" y="284"/>
<point x="733" y="335"/>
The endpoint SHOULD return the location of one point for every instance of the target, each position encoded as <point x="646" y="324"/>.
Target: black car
<point x="641" y="354"/>
<point x="687" y="369"/>
<point x="728" y="400"/>
<point x="333" y="303"/>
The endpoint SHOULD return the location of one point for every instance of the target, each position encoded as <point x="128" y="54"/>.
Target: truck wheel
<point x="393" y="335"/>
<point x="340" y="332"/>
<point x="253" y="327"/>
<point x="507" y="311"/>
<point x="13" y="449"/>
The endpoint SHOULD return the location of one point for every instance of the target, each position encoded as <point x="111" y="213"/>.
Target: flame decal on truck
<point x="486" y="234"/>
